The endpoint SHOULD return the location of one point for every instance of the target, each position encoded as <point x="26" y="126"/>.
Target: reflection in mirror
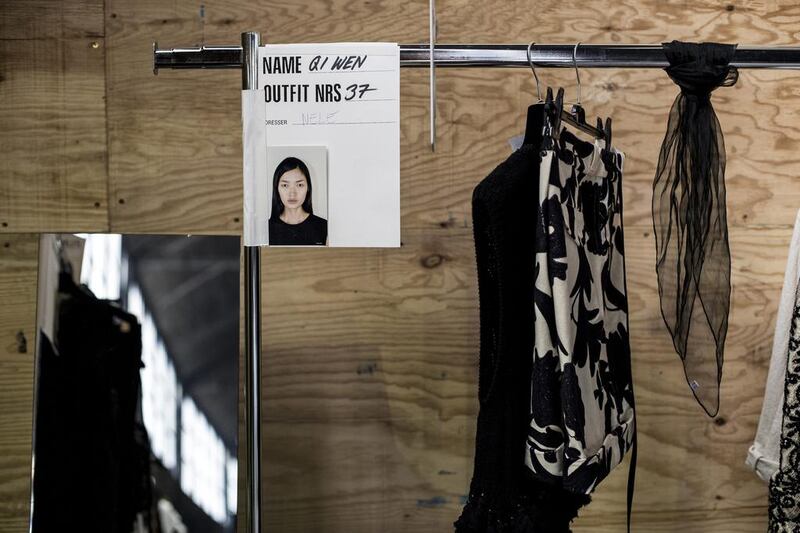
<point x="135" y="422"/>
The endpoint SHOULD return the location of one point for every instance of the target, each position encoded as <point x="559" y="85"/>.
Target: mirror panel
<point x="135" y="424"/>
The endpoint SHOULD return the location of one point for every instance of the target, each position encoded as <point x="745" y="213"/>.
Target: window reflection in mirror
<point x="135" y="425"/>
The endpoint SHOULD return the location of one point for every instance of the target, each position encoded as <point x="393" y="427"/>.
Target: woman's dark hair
<point x="290" y="163"/>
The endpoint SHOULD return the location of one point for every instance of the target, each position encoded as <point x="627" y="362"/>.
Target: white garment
<point x="764" y="454"/>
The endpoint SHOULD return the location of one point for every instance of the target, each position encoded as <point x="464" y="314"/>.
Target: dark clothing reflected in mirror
<point x="136" y="398"/>
<point x="92" y="455"/>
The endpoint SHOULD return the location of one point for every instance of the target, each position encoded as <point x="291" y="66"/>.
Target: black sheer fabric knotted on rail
<point x="693" y="260"/>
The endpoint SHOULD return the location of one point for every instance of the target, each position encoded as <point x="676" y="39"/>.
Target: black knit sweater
<point x="503" y="495"/>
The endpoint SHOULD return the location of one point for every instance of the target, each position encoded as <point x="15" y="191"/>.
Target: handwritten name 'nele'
<point x="293" y="64"/>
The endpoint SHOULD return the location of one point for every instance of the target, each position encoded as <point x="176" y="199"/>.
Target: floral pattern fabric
<point x="784" y="485"/>
<point x="581" y="408"/>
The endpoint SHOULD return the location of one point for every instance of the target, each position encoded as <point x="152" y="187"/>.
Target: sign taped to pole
<point x="322" y="146"/>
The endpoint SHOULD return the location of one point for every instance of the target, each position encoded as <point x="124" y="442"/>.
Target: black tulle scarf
<point x="693" y="259"/>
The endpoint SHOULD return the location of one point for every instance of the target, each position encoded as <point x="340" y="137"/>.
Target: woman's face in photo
<point x="292" y="188"/>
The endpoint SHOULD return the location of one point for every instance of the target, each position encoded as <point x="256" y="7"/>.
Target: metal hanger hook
<point x="577" y="74"/>
<point x="530" y="62"/>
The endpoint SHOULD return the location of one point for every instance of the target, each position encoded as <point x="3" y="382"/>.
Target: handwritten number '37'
<point x="356" y="89"/>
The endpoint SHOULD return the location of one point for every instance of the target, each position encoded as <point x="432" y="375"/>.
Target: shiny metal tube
<point x="252" y="317"/>
<point x="501" y="55"/>
<point x="197" y="57"/>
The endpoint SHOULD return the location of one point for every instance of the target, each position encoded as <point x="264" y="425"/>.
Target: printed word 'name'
<point x="293" y="64"/>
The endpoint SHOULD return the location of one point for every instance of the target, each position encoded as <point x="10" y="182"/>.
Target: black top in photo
<point x="313" y="230"/>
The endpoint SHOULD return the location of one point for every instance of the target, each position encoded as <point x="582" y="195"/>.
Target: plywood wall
<point x="370" y="356"/>
<point x="18" y="258"/>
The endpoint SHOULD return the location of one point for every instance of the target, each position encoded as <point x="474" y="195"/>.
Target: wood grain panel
<point x="195" y="142"/>
<point x="192" y="118"/>
<point x="51" y="19"/>
<point x="52" y="107"/>
<point x="18" y="260"/>
<point x="364" y="301"/>
<point x="363" y="483"/>
<point x="370" y="355"/>
<point x="639" y="100"/>
<point x="372" y="338"/>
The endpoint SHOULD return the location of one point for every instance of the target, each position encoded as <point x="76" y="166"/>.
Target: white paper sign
<point x="322" y="146"/>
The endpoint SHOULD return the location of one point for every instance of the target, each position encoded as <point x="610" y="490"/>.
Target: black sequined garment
<point x="504" y="497"/>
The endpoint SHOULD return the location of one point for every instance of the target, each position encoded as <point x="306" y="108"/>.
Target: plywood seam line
<point x="429" y="55"/>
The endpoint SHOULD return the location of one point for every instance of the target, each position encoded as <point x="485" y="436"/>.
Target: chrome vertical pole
<point x="252" y="316"/>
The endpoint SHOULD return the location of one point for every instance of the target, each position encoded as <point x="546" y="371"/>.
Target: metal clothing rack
<point x="244" y="57"/>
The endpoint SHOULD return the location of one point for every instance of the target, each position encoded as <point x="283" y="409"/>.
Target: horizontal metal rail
<point x="498" y="55"/>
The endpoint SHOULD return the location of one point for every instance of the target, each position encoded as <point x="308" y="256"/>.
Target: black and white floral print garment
<point x="784" y="485"/>
<point x="581" y="416"/>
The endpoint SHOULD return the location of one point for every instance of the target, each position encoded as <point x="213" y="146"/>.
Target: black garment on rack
<point x="504" y="497"/>
<point x="91" y="460"/>
<point x="693" y="259"/>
